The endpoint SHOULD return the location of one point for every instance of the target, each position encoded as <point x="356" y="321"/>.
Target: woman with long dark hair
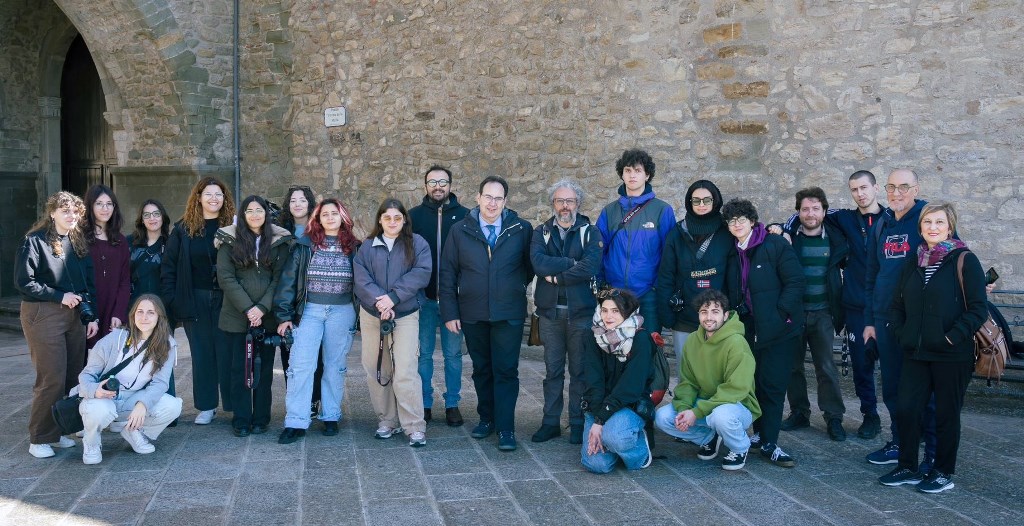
<point x="53" y="272"/>
<point x="188" y="286"/>
<point x="251" y="256"/>
<point x="140" y="407"/>
<point x="391" y="270"/>
<point x="315" y="299"/>
<point x="616" y="366"/>
<point x="938" y="306"/>
<point x="146" y="245"/>
<point x="108" y="249"/>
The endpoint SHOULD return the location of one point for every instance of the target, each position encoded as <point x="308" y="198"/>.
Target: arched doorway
<point x="86" y="138"/>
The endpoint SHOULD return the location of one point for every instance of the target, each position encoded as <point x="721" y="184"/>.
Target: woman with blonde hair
<point x="53" y="272"/>
<point x="134" y="400"/>
<point x="188" y="283"/>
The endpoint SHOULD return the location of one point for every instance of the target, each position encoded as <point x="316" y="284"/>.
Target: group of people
<point x="743" y="301"/>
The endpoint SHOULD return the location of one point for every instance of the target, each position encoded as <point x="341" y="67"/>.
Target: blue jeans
<point x="334" y="325"/>
<point x="623" y="437"/>
<point x="451" y="348"/>
<point x="730" y="421"/>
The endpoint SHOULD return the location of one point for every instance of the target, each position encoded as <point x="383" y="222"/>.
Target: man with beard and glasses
<point x="566" y="255"/>
<point x="432" y="220"/>
<point x="714" y="402"/>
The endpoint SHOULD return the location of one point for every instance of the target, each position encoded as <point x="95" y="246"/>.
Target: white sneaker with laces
<point x="138" y="441"/>
<point x="384" y="432"/>
<point x="205" y="417"/>
<point x="417" y="439"/>
<point x="64" y="443"/>
<point x="40" y="450"/>
<point x="92" y="454"/>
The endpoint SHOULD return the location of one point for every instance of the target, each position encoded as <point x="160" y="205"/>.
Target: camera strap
<point x="124" y="363"/>
<point x="380" y="358"/>
<point x="252" y="361"/>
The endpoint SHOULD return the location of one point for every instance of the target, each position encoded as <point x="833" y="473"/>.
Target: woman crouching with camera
<point x="315" y="299"/>
<point x="616" y="367"/>
<point x="134" y="400"/>
<point x="53" y="272"/>
<point x="250" y="259"/>
<point x="391" y="270"/>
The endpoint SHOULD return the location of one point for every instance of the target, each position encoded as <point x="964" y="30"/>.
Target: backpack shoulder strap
<point x="960" y="276"/>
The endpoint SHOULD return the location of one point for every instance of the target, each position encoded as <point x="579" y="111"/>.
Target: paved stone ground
<point x="204" y="475"/>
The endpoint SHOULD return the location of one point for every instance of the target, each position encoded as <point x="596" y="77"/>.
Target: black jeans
<point x="771" y="377"/>
<point x="919" y="380"/>
<point x="252" y="406"/>
<point x="818" y="337"/>
<point x="211" y="352"/>
<point x="494" y="349"/>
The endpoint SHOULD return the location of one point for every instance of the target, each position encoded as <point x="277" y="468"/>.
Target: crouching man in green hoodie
<point x="714" y="402"/>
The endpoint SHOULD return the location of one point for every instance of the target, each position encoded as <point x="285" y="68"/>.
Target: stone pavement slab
<point x="203" y="475"/>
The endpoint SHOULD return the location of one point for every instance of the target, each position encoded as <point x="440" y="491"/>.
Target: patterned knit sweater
<point x="329" y="276"/>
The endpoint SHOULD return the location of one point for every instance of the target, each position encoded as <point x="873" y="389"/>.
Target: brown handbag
<point x="990" y="350"/>
<point x="534" y="339"/>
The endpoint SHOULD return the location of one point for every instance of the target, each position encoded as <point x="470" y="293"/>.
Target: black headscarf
<point x="701" y="226"/>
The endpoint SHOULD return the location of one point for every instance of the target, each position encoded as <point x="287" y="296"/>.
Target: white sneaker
<point x="64" y="443"/>
<point x="417" y="439"/>
<point x="92" y="454"/>
<point x="40" y="450"/>
<point x="205" y="417"/>
<point x="138" y="441"/>
<point x="385" y="432"/>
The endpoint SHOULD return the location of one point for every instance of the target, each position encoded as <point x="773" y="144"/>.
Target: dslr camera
<point x="113" y="385"/>
<point x="387" y="327"/>
<point x="272" y="339"/>
<point x="87" y="309"/>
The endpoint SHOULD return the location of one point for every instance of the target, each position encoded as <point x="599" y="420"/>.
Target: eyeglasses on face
<point x="104" y="206"/>
<point x="152" y="215"/>
<point x="737" y="221"/>
<point x="706" y="201"/>
<point x="565" y="202"/>
<point x="899" y="189"/>
<point x="213" y="195"/>
<point x="492" y="199"/>
<point x="434" y="183"/>
<point x="256" y="212"/>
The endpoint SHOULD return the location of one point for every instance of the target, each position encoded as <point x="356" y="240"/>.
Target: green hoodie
<point x="716" y="371"/>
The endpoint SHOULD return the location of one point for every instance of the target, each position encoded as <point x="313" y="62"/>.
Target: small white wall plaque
<point x="334" y="117"/>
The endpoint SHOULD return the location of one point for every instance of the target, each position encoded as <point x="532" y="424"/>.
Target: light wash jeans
<point x="451" y="349"/>
<point x="334" y="325"/>
<point x="623" y="437"/>
<point x="730" y="421"/>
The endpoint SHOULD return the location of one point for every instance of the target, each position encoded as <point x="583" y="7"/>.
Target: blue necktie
<point x="491" y="236"/>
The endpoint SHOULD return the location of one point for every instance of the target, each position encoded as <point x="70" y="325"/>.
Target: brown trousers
<point x="56" y="342"/>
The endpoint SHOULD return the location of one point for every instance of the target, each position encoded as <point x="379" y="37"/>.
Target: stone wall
<point x="761" y="97"/>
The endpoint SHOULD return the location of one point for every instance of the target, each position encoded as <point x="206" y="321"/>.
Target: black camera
<point x="260" y="335"/>
<point x="387" y="327"/>
<point x="87" y="309"/>
<point x="677" y="302"/>
<point x="112" y="385"/>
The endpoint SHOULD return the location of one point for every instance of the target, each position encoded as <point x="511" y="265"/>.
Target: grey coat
<point x="378" y="271"/>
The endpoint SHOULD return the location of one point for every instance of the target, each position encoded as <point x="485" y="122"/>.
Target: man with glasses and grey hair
<point x="432" y="220"/>
<point x="894" y="239"/>
<point x="566" y="255"/>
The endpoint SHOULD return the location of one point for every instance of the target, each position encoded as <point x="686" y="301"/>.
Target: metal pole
<point x="237" y="139"/>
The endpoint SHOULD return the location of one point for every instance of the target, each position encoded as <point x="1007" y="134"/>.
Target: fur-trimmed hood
<point x="226" y="234"/>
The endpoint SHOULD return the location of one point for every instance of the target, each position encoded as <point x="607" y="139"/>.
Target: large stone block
<point x="723" y="33"/>
<point x="739" y="90"/>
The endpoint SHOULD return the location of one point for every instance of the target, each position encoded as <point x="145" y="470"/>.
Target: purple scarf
<point x="927" y="257"/>
<point x="757" y="235"/>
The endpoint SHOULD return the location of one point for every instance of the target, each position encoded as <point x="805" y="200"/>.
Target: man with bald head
<point x="894" y="239"/>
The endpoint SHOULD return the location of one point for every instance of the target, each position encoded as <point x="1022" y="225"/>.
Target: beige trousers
<point x="400" y="403"/>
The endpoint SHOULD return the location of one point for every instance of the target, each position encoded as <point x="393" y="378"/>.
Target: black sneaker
<point x="507" y="440"/>
<point x="871" y="427"/>
<point x="482" y="430"/>
<point x="330" y="429"/>
<point x="240" y="432"/>
<point x="835" y="430"/>
<point x="777" y="456"/>
<point x="936" y="482"/>
<point x="733" y="461"/>
<point x="795" y="421"/>
<point x="755" y="440"/>
<point x="546" y="432"/>
<point x="889" y="454"/>
<point x="290" y="434"/>
<point x="576" y="434"/>
<point x="899" y="476"/>
<point x="710" y="450"/>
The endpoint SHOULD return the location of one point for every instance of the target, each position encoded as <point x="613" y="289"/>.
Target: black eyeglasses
<point x="434" y="183"/>
<point x="706" y="201"/>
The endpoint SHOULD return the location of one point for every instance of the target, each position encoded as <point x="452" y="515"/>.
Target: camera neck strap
<point x="380" y="358"/>
<point x="85" y="281"/>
